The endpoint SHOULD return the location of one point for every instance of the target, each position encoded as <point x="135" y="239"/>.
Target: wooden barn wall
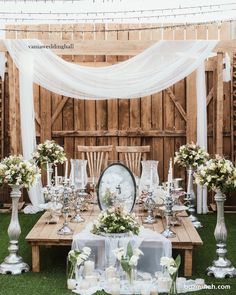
<point x="165" y="120"/>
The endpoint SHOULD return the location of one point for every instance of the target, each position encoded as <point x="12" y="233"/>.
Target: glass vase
<point x="71" y="274"/>
<point x="173" y="287"/>
<point x="149" y="177"/>
<point x="78" y="175"/>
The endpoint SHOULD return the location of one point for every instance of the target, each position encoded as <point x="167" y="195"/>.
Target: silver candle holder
<point x="169" y="202"/>
<point x="79" y="197"/>
<point x="65" y="230"/>
<point x="191" y="200"/>
<point x="150" y="205"/>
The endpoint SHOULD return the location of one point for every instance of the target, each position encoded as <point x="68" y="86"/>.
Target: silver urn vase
<point x="13" y="263"/>
<point x="221" y="267"/>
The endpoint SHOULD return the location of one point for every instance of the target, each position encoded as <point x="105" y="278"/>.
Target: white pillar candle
<point x="110" y="272"/>
<point x="56" y="176"/>
<point x="71" y="284"/>
<point x="145" y="292"/>
<point x="115" y="289"/>
<point x="92" y="279"/>
<point x="89" y="267"/>
<point x="82" y="175"/>
<point x="72" y="172"/>
<point x="66" y="171"/>
<point x="180" y="284"/>
<point x="84" y="285"/>
<point x="153" y="291"/>
<point x="48" y="175"/>
<point x="151" y="176"/>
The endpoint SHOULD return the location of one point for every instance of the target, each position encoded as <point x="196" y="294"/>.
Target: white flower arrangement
<point x="172" y="266"/>
<point x="14" y="170"/>
<point x="191" y="155"/>
<point x="49" y="152"/>
<point x="115" y="220"/>
<point x="218" y="174"/>
<point x="76" y="258"/>
<point x="129" y="260"/>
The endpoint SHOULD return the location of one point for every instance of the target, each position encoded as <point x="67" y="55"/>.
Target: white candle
<point x="151" y="176"/>
<point x="66" y="171"/>
<point x="72" y="173"/>
<point x="145" y="292"/>
<point x="82" y="175"/>
<point x="154" y="291"/>
<point x="115" y="289"/>
<point x="92" y="279"/>
<point x="180" y="284"/>
<point x="56" y="176"/>
<point x="110" y="272"/>
<point x="84" y="285"/>
<point x="48" y="175"/>
<point x="89" y="267"/>
<point x="71" y="284"/>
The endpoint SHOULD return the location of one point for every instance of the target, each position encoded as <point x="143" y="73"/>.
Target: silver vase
<point x="13" y="263"/>
<point x="191" y="199"/>
<point x="221" y="266"/>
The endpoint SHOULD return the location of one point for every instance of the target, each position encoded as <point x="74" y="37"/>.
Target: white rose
<point x="137" y="252"/>
<point x="167" y="261"/>
<point x="172" y="270"/>
<point x="86" y="250"/>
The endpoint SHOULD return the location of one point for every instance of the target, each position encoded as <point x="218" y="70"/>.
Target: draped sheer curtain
<point x="155" y="69"/>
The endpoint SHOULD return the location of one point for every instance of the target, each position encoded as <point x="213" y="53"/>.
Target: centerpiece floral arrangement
<point x="75" y="259"/>
<point x="115" y="220"/>
<point x="172" y="266"/>
<point x="128" y="260"/>
<point x="49" y="152"/>
<point x="191" y="155"/>
<point x="218" y="174"/>
<point x="14" y="170"/>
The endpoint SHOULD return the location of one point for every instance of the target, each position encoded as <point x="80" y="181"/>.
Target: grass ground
<point x="52" y="280"/>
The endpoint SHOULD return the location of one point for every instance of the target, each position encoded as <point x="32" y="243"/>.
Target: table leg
<point x="35" y="258"/>
<point x="188" y="262"/>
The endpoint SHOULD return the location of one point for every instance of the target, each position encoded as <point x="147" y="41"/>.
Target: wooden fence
<point x="164" y="120"/>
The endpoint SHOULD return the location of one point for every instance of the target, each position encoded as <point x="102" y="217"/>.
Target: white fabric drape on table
<point x="153" y="245"/>
<point x="155" y="69"/>
<point x="28" y="125"/>
<point x="201" y="131"/>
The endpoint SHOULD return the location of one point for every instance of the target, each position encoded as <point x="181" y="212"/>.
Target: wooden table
<point x="43" y="234"/>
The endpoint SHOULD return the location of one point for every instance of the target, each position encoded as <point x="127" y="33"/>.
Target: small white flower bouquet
<point x="75" y="259"/>
<point x="191" y="155"/>
<point x="14" y="170"/>
<point x="115" y="220"/>
<point x="218" y="174"/>
<point x="129" y="260"/>
<point x="172" y="266"/>
<point x="49" y="152"/>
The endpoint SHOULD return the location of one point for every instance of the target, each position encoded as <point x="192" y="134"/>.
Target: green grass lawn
<point x="52" y="280"/>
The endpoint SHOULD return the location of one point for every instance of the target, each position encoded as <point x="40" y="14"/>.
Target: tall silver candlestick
<point x="79" y="199"/>
<point x="191" y="199"/>
<point x="65" y="230"/>
<point x="13" y="263"/>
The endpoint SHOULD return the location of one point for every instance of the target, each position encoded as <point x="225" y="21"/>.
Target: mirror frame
<point x="132" y="178"/>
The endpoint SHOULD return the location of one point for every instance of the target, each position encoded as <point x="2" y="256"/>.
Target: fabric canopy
<point x="154" y="70"/>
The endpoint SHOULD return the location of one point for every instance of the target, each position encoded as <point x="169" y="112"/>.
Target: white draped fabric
<point x="153" y="245"/>
<point x="151" y="71"/>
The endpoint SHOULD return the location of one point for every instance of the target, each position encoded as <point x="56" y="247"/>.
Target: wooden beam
<point x="191" y="133"/>
<point x="135" y="132"/>
<point x="210" y="96"/>
<point x="219" y="105"/>
<point x="176" y="103"/>
<point x="59" y="108"/>
<point x="111" y="47"/>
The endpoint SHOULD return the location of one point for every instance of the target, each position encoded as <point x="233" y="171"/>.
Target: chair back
<point x="97" y="157"/>
<point x="132" y="156"/>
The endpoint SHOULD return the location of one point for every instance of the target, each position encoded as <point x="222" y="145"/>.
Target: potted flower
<point x="74" y="260"/>
<point x="172" y="266"/>
<point x="114" y="221"/>
<point x="17" y="173"/>
<point x="219" y="175"/>
<point x="191" y="156"/>
<point x="128" y="260"/>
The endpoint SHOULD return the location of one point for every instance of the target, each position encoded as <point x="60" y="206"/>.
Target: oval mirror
<point x="116" y="186"/>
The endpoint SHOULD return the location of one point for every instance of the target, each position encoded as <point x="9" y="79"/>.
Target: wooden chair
<point x="132" y="156"/>
<point x="97" y="157"/>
